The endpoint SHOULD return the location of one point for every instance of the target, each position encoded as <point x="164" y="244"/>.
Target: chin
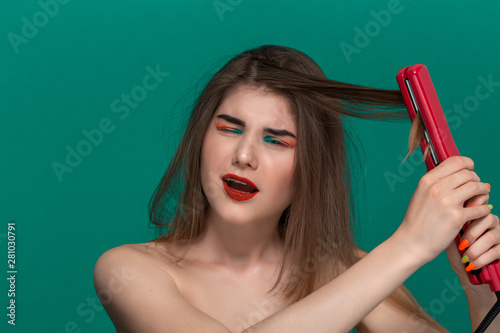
<point x="235" y="215"/>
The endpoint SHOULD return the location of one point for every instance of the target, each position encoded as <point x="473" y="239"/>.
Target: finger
<point x="481" y="199"/>
<point x="459" y="178"/>
<point x="483" y="244"/>
<point x="485" y="259"/>
<point x="480" y="226"/>
<point x="452" y="252"/>
<point x="476" y="212"/>
<point x="452" y="165"/>
<point x="469" y="190"/>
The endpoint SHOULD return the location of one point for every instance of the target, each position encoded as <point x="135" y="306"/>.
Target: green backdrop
<point x="79" y="162"/>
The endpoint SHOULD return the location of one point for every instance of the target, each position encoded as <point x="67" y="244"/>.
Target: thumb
<point x="452" y="252"/>
<point x="456" y="260"/>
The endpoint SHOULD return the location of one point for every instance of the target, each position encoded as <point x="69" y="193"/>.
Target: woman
<point x="255" y="213"/>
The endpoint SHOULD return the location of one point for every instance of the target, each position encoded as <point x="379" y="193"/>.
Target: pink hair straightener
<point x="422" y="101"/>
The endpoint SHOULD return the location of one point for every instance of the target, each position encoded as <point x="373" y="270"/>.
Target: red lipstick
<point x="235" y="194"/>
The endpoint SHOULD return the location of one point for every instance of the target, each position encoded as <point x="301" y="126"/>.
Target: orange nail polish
<point x="471" y="205"/>
<point x="470" y="267"/>
<point x="489" y="186"/>
<point x="463" y="244"/>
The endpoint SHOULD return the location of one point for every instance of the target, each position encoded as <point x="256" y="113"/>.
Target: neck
<point x="240" y="246"/>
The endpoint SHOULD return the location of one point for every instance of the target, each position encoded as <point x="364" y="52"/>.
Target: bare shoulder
<point x="133" y="254"/>
<point x="120" y="251"/>
<point x="139" y="295"/>
<point x="127" y="257"/>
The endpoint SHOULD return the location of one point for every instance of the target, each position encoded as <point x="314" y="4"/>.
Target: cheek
<point x="211" y="151"/>
<point x="209" y="146"/>
<point x="207" y="172"/>
<point x="283" y="190"/>
<point x="207" y="151"/>
<point x="289" y="181"/>
<point x="213" y="162"/>
<point x="290" y="173"/>
<point x="282" y="177"/>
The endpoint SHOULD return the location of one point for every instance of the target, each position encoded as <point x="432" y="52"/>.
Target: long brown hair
<point x="317" y="227"/>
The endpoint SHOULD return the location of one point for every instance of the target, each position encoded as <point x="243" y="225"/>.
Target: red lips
<point x="241" y="179"/>
<point x="235" y="194"/>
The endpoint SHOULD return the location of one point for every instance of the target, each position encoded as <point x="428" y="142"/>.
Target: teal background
<point x="65" y="77"/>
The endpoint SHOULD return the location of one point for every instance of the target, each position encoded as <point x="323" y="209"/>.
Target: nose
<point x="245" y="154"/>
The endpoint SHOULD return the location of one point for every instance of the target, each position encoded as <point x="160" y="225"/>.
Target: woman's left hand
<point x="483" y="236"/>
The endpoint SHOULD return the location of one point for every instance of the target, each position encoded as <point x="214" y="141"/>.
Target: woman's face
<point x="237" y="142"/>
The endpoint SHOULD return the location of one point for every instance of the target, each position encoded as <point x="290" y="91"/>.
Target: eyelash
<point x="230" y="130"/>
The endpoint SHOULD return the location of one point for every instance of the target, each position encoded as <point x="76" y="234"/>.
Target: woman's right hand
<point x="436" y="212"/>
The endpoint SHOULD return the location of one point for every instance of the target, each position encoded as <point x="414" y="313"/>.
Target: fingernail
<point x="471" y="205"/>
<point x="470" y="267"/>
<point x="463" y="244"/>
<point x="490" y="207"/>
<point x="465" y="258"/>
<point x="489" y="186"/>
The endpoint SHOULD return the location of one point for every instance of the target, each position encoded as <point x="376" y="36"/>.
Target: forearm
<point x="480" y="299"/>
<point x="342" y="303"/>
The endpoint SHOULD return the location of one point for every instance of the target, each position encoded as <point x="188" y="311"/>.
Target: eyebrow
<point x="239" y="122"/>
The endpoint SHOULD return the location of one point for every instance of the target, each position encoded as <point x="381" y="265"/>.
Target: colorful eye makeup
<point x="283" y="143"/>
<point x="269" y="139"/>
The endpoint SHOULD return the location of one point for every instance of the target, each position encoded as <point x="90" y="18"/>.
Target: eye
<point x="229" y="130"/>
<point x="275" y="142"/>
<point x="268" y="139"/>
